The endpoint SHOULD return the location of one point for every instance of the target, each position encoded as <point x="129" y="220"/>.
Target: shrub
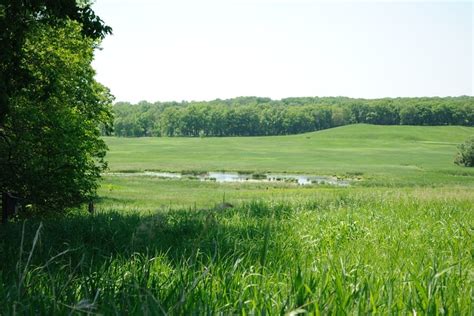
<point x="465" y="156"/>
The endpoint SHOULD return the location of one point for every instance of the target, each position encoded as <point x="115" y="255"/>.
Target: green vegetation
<point x="397" y="242"/>
<point x="339" y="250"/>
<point x="465" y="156"/>
<point x="252" y="116"/>
<point x="383" y="155"/>
<point x="51" y="153"/>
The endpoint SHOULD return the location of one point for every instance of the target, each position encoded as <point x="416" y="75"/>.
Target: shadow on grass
<point x="95" y="239"/>
<point x="109" y="256"/>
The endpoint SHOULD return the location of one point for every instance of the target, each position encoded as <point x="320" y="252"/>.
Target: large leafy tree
<point x="51" y="106"/>
<point x="17" y="18"/>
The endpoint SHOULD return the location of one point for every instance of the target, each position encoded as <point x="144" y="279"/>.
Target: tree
<point x="51" y="150"/>
<point x="17" y="18"/>
<point x="409" y="115"/>
<point x="169" y="121"/>
<point x="465" y="156"/>
<point x="47" y="123"/>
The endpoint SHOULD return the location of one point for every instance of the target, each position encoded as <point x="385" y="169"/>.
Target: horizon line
<point x="297" y="97"/>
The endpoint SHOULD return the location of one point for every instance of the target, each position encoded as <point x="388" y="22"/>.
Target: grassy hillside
<point x="416" y="154"/>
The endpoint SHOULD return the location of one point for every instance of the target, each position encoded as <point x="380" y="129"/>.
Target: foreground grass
<point x="364" y="251"/>
<point x="383" y="155"/>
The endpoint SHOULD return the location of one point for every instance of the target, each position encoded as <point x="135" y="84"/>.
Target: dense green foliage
<point x="465" y="156"/>
<point x="17" y="19"/>
<point x="51" y="150"/>
<point x="337" y="252"/>
<point x="50" y="106"/>
<point x="251" y="116"/>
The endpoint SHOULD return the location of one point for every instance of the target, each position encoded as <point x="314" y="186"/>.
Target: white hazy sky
<point x="165" y="50"/>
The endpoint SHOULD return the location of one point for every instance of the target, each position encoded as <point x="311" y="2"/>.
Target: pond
<point x="228" y="177"/>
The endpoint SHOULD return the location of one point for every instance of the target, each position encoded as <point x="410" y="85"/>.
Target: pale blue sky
<point x="166" y="50"/>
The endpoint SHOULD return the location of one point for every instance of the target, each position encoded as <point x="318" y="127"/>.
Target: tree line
<point x="254" y="116"/>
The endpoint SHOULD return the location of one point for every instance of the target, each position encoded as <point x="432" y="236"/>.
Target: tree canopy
<point x="251" y="116"/>
<point x="51" y="153"/>
<point x="18" y="18"/>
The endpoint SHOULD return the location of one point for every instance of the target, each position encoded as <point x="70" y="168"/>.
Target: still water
<point x="222" y="177"/>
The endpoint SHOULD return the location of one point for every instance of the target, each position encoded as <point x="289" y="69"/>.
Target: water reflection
<point x="225" y="177"/>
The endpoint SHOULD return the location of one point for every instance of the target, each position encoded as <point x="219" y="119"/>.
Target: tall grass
<point x="349" y="253"/>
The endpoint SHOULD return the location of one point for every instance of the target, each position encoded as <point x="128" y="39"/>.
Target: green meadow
<point x="383" y="155"/>
<point x="400" y="240"/>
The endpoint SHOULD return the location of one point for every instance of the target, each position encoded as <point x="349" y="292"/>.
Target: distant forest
<point x="255" y="116"/>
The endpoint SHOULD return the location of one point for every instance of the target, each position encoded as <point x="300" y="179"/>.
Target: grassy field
<point x="380" y="252"/>
<point x="153" y="194"/>
<point x="399" y="242"/>
<point x="398" y="155"/>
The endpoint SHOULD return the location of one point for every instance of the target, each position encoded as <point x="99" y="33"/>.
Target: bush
<point x="465" y="156"/>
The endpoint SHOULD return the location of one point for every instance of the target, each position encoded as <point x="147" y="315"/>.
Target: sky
<point x="174" y="50"/>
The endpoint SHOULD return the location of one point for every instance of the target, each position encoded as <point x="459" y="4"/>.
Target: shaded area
<point x="325" y="254"/>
